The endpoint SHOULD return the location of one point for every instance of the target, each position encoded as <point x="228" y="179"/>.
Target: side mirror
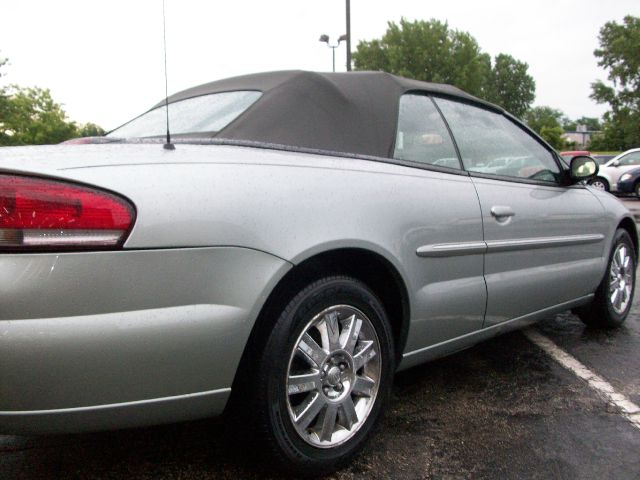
<point x="615" y="163"/>
<point x="582" y="168"/>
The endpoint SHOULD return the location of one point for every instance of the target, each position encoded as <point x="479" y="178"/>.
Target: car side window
<point x="630" y="159"/>
<point x="491" y="143"/>
<point x="422" y="134"/>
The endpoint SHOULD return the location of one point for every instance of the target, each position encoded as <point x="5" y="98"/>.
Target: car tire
<point x="614" y="295"/>
<point x="636" y="189"/>
<point x="600" y="184"/>
<point x="324" y="376"/>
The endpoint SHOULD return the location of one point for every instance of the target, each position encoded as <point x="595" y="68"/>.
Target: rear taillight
<point x="39" y="214"/>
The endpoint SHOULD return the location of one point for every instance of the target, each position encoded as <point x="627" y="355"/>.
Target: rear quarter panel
<point x="295" y="205"/>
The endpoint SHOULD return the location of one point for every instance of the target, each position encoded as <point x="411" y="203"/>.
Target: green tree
<point x="31" y="117"/>
<point x="432" y="52"/>
<point x="553" y="135"/>
<point x="546" y="121"/>
<point x="593" y="124"/>
<point x="539" y="117"/>
<point x="427" y="51"/>
<point x="618" y="53"/>
<point x="616" y="132"/>
<point x="510" y="85"/>
<point x="3" y="97"/>
<point x="90" y="130"/>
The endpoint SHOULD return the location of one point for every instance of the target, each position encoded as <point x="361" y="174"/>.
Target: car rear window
<point x="203" y="114"/>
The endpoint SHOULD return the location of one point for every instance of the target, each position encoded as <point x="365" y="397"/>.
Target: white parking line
<point x="627" y="408"/>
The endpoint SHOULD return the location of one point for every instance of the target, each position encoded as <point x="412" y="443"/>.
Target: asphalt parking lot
<point x="503" y="409"/>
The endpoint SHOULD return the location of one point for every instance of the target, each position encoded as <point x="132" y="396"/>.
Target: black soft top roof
<point x="354" y="112"/>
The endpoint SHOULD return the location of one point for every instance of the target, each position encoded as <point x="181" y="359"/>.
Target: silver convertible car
<point x="303" y="236"/>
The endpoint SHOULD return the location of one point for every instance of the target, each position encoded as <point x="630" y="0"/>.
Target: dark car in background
<point x="630" y="182"/>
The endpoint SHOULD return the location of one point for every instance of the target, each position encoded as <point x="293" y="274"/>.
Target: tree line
<point x="423" y="50"/>
<point x="30" y="116"/>
<point x="433" y="52"/>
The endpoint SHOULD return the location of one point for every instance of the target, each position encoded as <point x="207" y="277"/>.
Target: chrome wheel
<point x="613" y="297"/>
<point x="599" y="184"/>
<point x="621" y="279"/>
<point x="333" y="376"/>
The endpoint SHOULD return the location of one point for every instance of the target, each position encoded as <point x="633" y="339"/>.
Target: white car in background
<point x="609" y="174"/>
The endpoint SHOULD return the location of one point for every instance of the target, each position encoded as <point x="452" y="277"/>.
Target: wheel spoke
<point x="308" y="410"/>
<point x="614" y="298"/>
<point x="350" y="333"/>
<point x="303" y="383"/>
<point x="329" y="329"/>
<point x="347" y="413"/>
<point x="366" y="353"/>
<point x="363" y="386"/>
<point x="620" y="254"/>
<point x="327" y="422"/>
<point x="614" y="285"/>
<point x="620" y="300"/>
<point x="615" y="266"/>
<point x="624" y="296"/>
<point x="311" y="351"/>
<point x="626" y="262"/>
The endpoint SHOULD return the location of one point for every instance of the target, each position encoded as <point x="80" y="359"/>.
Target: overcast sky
<point x="103" y="60"/>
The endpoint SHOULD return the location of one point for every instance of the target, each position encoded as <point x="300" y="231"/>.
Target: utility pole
<point x="348" y="35"/>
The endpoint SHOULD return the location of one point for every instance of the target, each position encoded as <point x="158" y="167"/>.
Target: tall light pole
<point x="325" y="39"/>
<point x="348" y="35"/>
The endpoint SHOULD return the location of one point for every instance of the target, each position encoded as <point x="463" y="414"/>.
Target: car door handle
<point x="502" y="213"/>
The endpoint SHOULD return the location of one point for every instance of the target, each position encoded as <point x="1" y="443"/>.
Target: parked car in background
<point x="602" y="158"/>
<point x="568" y="155"/>
<point x="609" y="174"/>
<point x="630" y="182"/>
<point x="504" y="165"/>
<point x="304" y="237"/>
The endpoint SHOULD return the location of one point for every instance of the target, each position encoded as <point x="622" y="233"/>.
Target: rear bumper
<point x="118" y="339"/>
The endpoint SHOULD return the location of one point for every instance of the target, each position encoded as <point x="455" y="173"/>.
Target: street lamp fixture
<point x="325" y="39"/>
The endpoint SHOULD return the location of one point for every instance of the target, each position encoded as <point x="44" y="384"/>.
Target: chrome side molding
<point x="452" y="249"/>
<point x="492" y="246"/>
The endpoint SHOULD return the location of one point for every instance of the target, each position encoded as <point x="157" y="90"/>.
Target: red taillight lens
<point x="37" y="214"/>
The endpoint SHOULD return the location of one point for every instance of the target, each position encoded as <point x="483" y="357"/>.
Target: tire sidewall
<point x="290" y="325"/>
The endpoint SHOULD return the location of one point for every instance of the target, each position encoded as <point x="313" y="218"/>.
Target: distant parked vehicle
<point x="602" y="159"/>
<point x="630" y="182"/>
<point x="568" y="155"/>
<point x="610" y="173"/>
<point x="450" y="162"/>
